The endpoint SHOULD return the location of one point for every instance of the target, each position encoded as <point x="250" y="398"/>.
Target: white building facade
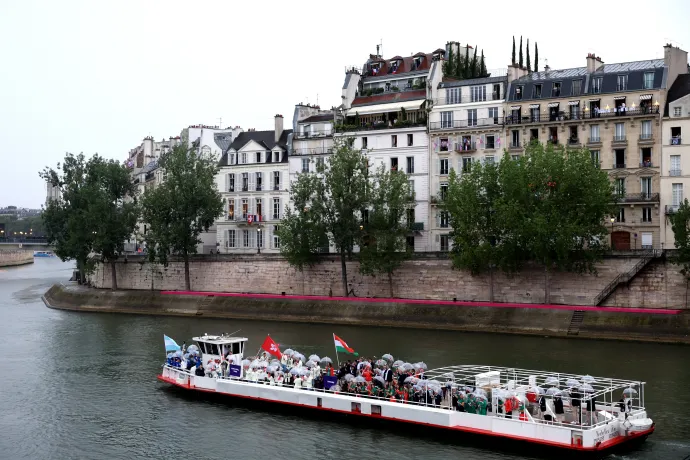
<point x="312" y="138"/>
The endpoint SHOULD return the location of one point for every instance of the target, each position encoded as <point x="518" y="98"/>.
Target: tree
<point x="474" y="70"/>
<point x="520" y="62"/>
<point x="113" y="209"/>
<point x="66" y="220"/>
<point x="332" y="199"/>
<point x="482" y="67"/>
<point x="680" y="224"/>
<point x="449" y="65"/>
<point x="513" y="58"/>
<point x="529" y="65"/>
<point x="183" y="206"/>
<point x="383" y="244"/>
<point x="536" y="57"/>
<point x="466" y="73"/>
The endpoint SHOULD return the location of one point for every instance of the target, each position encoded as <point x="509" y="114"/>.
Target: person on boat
<point x="576" y="404"/>
<point x="471" y="404"/>
<point x="558" y="408"/>
<point x="366" y="373"/>
<point x="199" y="371"/>
<point x="481" y="406"/>
<point x="223" y="368"/>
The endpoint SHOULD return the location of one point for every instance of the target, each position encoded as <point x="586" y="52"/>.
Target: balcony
<point x="245" y="188"/>
<point x="276" y="186"/>
<point x="231" y="189"/>
<point x="378" y="126"/>
<point x="462" y="124"/>
<point x="581" y="115"/>
<point x="618" y="166"/>
<point x="619" y="140"/>
<point x="416" y="226"/>
<point x="573" y="141"/>
<point x="594" y="140"/>
<point x="676" y="141"/>
<point x="249" y="219"/>
<point x="639" y="197"/>
<point x="468" y="147"/>
<point x="312" y="134"/>
<point x="675" y="173"/>
<point x="515" y="146"/>
<point x="258" y="187"/>
<point x="646" y="164"/>
<point x="314" y="151"/>
<point x="645" y="138"/>
<point x="672" y="208"/>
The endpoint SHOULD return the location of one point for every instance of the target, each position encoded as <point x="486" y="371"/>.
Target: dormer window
<point x="375" y="68"/>
<point x="518" y="93"/>
<point x="536" y="92"/>
<point x="276" y="157"/>
<point x="417" y="63"/>
<point x="556" y="89"/>
<point x="622" y="83"/>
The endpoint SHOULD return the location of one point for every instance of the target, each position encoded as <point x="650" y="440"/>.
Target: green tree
<point x="529" y="65"/>
<point x="383" y="244"/>
<point x="67" y="221"/>
<point x="536" y="57"/>
<point x="680" y="224"/>
<point x="482" y="67"/>
<point x="113" y="209"/>
<point x="449" y="65"/>
<point x="466" y="72"/>
<point x="513" y="57"/>
<point x="520" y="62"/>
<point x="184" y="205"/>
<point x="474" y="65"/>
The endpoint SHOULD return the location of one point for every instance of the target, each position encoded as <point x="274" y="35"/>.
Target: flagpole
<point x="336" y="351"/>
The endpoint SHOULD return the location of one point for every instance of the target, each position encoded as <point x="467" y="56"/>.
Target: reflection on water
<point x="83" y="385"/>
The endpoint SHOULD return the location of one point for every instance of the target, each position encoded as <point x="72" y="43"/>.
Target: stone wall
<point x="427" y="277"/>
<point x="659" y="285"/>
<point x="12" y="257"/>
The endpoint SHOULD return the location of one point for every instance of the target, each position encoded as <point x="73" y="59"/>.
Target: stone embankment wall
<point x="430" y="277"/>
<point x="13" y="257"/>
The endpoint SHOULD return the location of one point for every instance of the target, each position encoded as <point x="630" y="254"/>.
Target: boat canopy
<point x="221" y="344"/>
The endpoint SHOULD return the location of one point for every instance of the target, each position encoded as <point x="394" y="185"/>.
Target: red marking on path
<point x="654" y="311"/>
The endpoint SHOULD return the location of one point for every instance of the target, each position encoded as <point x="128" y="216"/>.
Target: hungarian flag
<point x="341" y="346"/>
<point x="271" y="347"/>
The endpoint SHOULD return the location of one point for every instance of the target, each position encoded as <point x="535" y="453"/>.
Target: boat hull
<point x="461" y="435"/>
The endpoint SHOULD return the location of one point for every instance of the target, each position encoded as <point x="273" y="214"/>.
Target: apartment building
<point x="312" y="139"/>
<point x="384" y="112"/>
<point x="465" y="126"/>
<point x="675" y="150"/>
<point x="614" y="110"/>
<point x="253" y="180"/>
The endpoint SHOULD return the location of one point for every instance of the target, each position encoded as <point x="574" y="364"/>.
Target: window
<point x="622" y="83"/>
<point x="410" y="243"/>
<point x="410" y="186"/>
<point x="646" y="240"/>
<point x="394" y="140"/>
<point x="276" y="180"/>
<point x="276" y="238"/>
<point x="230" y="243"/>
<point x="677" y="194"/>
<point x="410" y="138"/>
<point x="231" y="182"/>
<point x="619" y="186"/>
<point x="577" y="88"/>
<point x="533" y="135"/>
<point x="648" y="80"/>
<point x="466" y="164"/>
<point x="675" y="166"/>
<point x="243" y="158"/>
<point x="259" y="178"/>
<point x="444" y="243"/>
<point x="675" y="135"/>
<point x="245" y="208"/>
<point x="231" y="159"/>
<point x="489" y="159"/>
<point x="677" y="112"/>
<point x="443" y="219"/>
<point x="646" y="187"/>
<point x="534" y="113"/>
<point x="646" y="130"/>
<point x="410" y="165"/>
<point x="245" y="182"/>
<point x="536" y="92"/>
<point x="443" y="168"/>
<point x="319" y="163"/>
<point x="620" y="132"/>
<point x="446" y="119"/>
<point x="496" y="93"/>
<point x="515" y="157"/>
<point x="365" y="142"/>
<point x="305" y="165"/>
<point x="276" y="157"/>
<point x="259" y="208"/>
<point x="245" y="238"/>
<point x="595" y="157"/>
<point x="515" y="138"/>
<point x="596" y="85"/>
<point x="478" y="93"/>
<point x="231" y="210"/>
<point x="394" y="164"/>
<point x="493" y="113"/>
<point x="646" y="214"/>
<point x="410" y="217"/>
<point x="453" y="96"/>
<point x="443" y="144"/>
<point x="258" y="157"/>
<point x="518" y="93"/>
<point x="443" y="190"/>
<point x="574" y="111"/>
<point x="594" y="133"/>
<point x="619" y="158"/>
<point x="472" y="117"/>
<point x="556" y="89"/>
<point x="259" y="238"/>
<point x="620" y="217"/>
<point x="490" y="142"/>
<point x="276" y="208"/>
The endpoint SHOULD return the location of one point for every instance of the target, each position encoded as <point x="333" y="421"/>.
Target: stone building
<point x="312" y="138"/>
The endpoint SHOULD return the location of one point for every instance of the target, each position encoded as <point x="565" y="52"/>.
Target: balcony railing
<point x="467" y="147"/>
<point x="619" y="166"/>
<point x="594" y="140"/>
<point x="245" y="188"/>
<point x="646" y="164"/>
<point x="314" y="151"/>
<point x="258" y="187"/>
<point x="675" y="172"/>
<point x="231" y="189"/>
<point x="646" y="137"/>
<point x="459" y="124"/>
<point x="636" y="197"/>
<point x="620" y="139"/>
<point x="573" y="141"/>
<point x="582" y="115"/>
<point x="245" y="218"/>
<point x="276" y="186"/>
<point x="379" y="126"/>
<point x="310" y="134"/>
<point x="676" y="140"/>
<point x="493" y="96"/>
<point x="515" y="145"/>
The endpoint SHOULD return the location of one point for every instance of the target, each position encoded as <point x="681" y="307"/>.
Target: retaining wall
<point x="11" y="257"/>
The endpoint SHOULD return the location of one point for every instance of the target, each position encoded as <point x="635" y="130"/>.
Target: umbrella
<point x="381" y="362"/>
<point x="553" y="391"/>
<point x="348" y="377"/>
<point x="289" y="352"/>
<point x="586" y="387"/>
<point x="360" y="379"/>
<point x="303" y="372"/>
<point x="421" y="365"/>
<point x="187" y="355"/>
<point x="326" y="359"/>
<point x="366" y="364"/>
<point x="479" y="392"/>
<point x="398" y="363"/>
<point x="407" y="366"/>
<point x="388" y="357"/>
<point x="314" y="358"/>
<point x="553" y="381"/>
<point x="310" y="364"/>
<point x="378" y="378"/>
<point x="587" y="379"/>
<point x="299" y="356"/>
<point x="170" y="355"/>
<point x="193" y="349"/>
<point x="538" y="390"/>
<point x="272" y="368"/>
<point x="435" y="383"/>
<point x="411" y="379"/>
<point x="572" y="383"/>
<point x="479" y="395"/>
<point x="294" y="371"/>
<point x="177" y="354"/>
<point x="246" y="363"/>
<point x="630" y="391"/>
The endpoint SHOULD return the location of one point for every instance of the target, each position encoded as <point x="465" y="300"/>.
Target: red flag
<point x="271" y="347"/>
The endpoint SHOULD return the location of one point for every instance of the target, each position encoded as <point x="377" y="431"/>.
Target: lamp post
<point x="258" y="240"/>
<point x="613" y="219"/>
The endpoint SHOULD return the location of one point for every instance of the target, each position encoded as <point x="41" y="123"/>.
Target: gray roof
<point x="151" y="166"/>
<point x="222" y="140"/>
<point x="473" y="81"/>
<point x="679" y="88"/>
<point x="264" y="138"/>
<point x="317" y="118"/>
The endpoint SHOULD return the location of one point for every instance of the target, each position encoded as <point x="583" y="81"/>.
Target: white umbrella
<point x="294" y="371"/>
<point x="586" y="388"/>
<point x="348" y="377"/>
<point x="552" y="381"/>
<point x="310" y="364"/>
<point x="326" y="359"/>
<point x="398" y="363"/>
<point x="298" y="356"/>
<point x="360" y="379"/>
<point x="587" y="379"/>
<point x="630" y="391"/>
<point x="314" y="358"/>
<point x="572" y="383"/>
<point x="289" y="352"/>
<point x="553" y="391"/>
<point x="388" y="357"/>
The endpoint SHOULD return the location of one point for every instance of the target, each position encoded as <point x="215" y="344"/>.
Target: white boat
<point x="43" y="254"/>
<point x="610" y="423"/>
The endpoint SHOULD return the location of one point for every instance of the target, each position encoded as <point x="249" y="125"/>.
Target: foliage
<point x="529" y="65"/>
<point x="463" y="67"/>
<point x="513" y="61"/>
<point x="520" y="62"/>
<point x="536" y="57"/>
<point x="183" y="206"/>
<point x="474" y="66"/>
<point x="383" y="244"/>
<point x="31" y="226"/>
<point x="482" y="66"/>
<point x="680" y="224"/>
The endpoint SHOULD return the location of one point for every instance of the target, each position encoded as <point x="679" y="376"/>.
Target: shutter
<point x="263" y="182"/>
<point x="459" y="166"/>
<point x="227" y="238"/>
<point x="438" y="218"/>
<point x="438" y="238"/>
<point x="238" y="211"/>
<point x="227" y="182"/>
<point x="280" y="208"/>
<point x="647" y="240"/>
<point x="225" y="206"/>
<point x="252" y="239"/>
<point x="269" y="231"/>
<point x="251" y="181"/>
<point x="483" y="141"/>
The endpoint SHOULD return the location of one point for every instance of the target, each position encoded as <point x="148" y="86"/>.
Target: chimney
<point x="279" y="127"/>
<point x="515" y="72"/>
<point x="594" y="63"/>
<point x="677" y="62"/>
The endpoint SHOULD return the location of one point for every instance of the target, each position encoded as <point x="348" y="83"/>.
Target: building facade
<point x="312" y="138"/>
<point x="465" y="126"/>
<point x="613" y="110"/>
<point x="253" y="181"/>
<point x="675" y="146"/>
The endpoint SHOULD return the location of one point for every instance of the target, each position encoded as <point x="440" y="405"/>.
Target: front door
<point x="620" y="241"/>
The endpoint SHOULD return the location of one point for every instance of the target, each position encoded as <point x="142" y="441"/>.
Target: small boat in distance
<point x="43" y="254"/>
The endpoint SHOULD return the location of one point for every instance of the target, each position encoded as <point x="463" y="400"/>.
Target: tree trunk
<point x="187" y="284"/>
<point x="343" y="269"/>
<point x="80" y="271"/>
<point x="491" y="284"/>
<point x="390" y="283"/>
<point x="113" y="274"/>
<point x="547" y="287"/>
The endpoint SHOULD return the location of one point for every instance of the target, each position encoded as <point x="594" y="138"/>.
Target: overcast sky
<point x="98" y="76"/>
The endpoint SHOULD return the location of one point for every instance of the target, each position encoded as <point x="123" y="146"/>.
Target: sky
<point x="99" y="76"/>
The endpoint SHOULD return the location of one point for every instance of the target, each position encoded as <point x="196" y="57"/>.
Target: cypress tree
<point x="448" y="67"/>
<point x="536" y="57"/>
<point x="482" y="66"/>
<point x="475" y="69"/>
<point x="520" y="62"/>
<point x="459" y="65"/>
<point x="513" y="61"/>
<point x="466" y="71"/>
<point x="529" y="66"/>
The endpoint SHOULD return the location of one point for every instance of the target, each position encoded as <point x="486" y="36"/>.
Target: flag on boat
<point x="271" y="347"/>
<point x="341" y="346"/>
<point x="170" y="344"/>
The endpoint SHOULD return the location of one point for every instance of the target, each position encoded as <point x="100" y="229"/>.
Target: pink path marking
<point x="654" y="311"/>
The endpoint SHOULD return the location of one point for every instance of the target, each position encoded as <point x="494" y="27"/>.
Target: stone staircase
<point x="625" y="278"/>
<point x="576" y="322"/>
<point x="203" y="303"/>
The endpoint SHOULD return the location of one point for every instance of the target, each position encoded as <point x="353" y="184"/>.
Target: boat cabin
<point x="214" y="347"/>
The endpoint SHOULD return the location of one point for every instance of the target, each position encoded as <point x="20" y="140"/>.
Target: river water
<point x="83" y="385"/>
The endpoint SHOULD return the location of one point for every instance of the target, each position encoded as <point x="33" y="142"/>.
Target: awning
<point x="516" y="107"/>
<point x="574" y="103"/>
<point x="594" y="100"/>
<point x="646" y="97"/>
<point x="384" y="108"/>
<point x="553" y="104"/>
<point x="619" y="98"/>
<point x="534" y="106"/>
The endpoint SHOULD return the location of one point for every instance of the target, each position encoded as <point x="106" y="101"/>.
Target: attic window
<point x="276" y="157"/>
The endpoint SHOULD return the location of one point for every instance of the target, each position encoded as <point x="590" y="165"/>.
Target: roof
<point x="397" y="96"/>
<point x="381" y="108"/>
<point x="317" y="118"/>
<point x="264" y="138"/>
<point x="472" y="81"/>
<point x="679" y="88"/>
<point x="405" y="66"/>
<point x="222" y="140"/>
<point x="151" y="166"/>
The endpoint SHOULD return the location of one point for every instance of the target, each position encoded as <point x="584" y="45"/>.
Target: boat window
<point x="236" y="348"/>
<point x="202" y="347"/>
<point x="212" y="348"/>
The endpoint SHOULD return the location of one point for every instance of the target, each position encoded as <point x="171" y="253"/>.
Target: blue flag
<point x="235" y="371"/>
<point x="329" y="381"/>
<point x="170" y="344"/>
